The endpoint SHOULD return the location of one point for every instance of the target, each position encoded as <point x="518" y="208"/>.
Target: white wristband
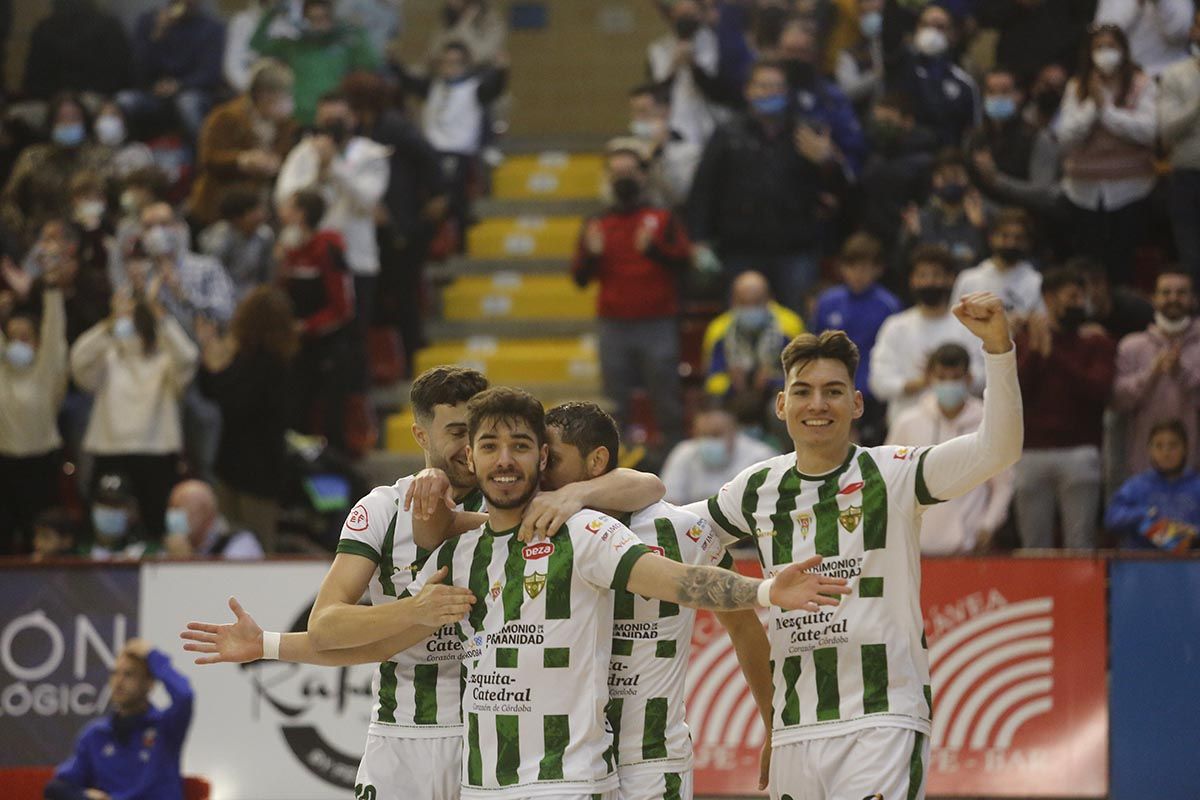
<point x="271" y="641"/>
<point x="764" y="593"/>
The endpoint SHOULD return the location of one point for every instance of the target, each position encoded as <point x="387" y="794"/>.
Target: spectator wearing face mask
<point x="57" y="259"/>
<point x="1008" y="274"/>
<point x="945" y="98"/>
<point x="673" y="159"/>
<point x="636" y="253"/>
<point x="457" y="96"/>
<point x="110" y="131"/>
<point x="1106" y="128"/>
<point x="247" y="373"/>
<point x="859" y="68"/>
<point x="859" y="307"/>
<point x="244" y="141"/>
<point x="138" y="364"/>
<point x="1179" y="118"/>
<point x="1157" y="31"/>
<point x="242" y="241"/>
<point x="820" y="102"/>
<point x="33" y="381"/>
<point x="77" y="48"/>
<point x="756" y="201"/>
<point x="1012" y="160"/>
<point x="1066" y="378"/>
<point x="313" y="272"/>
<point x="743" y="345"/>
<point x="897" y="169"/>
<point x="686" y="63"/>
<point x="1158" y="370"/>
<point x="137" y="190"/>
<point x="177" y="51"/>
<point x="899" y="373"/>
<point x="954" y="216"/>
<point x="698" y="467"/>
<point x="1032" y="33"/>
<point x="196" y="528"/>
<point x="967" y="523"/>
<point x="324" y="52"/>
<point x="1159" y="508"/>
<point x="117" y="521"/>
<point x="37" y="186"/>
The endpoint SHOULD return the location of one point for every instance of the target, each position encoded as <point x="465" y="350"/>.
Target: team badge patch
<point x="534" y="583"/>
<point x="805" y="520"/>
<point x="496" y="589"/>
<point x="850" y="517"/>
<point x="594" y="526"/>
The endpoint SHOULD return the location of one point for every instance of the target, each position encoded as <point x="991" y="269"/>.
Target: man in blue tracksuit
<point x="132" y="753"/>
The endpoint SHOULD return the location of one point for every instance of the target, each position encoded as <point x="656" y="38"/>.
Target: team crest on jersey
<point x="805" y="520"/>
<point x="536" y="551"/>
<point x="695" y="532"/>
<point x="850" y="517"/>
<point x="594" y="526"/>
<point x="496" y="589"/>
<point x="534" y="583"/>
<point x="149" y="736"/>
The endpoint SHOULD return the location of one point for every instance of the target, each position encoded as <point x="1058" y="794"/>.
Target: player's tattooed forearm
<point x="716" y="589"/>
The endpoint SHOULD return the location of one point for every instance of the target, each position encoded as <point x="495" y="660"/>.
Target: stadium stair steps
<point x="508" y="306"/>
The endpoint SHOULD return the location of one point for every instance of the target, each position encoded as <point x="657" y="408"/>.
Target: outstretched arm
<point x="242" y="641"/>
<point x="717" y="589"/>
<point x="619" y="490"/>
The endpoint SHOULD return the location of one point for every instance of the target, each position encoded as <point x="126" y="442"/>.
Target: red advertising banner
<point x="1017" y="653"/>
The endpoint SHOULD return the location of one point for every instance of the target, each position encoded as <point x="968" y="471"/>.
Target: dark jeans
<point x="364" y="316"/>
<point x="152" y="477"/>
<point x="1183" y="201"/>
<point x="637" y="352"/>
<point x="792" y="275"/>
<point x="190" y="105"/>
<point x="28" y="486"/>
<point x="1110" y="237"/>
<point x="457" y="169"/>
<point x="324" y="376"/>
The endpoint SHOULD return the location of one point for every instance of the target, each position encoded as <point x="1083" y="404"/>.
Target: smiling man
<point x="852" y="696"/>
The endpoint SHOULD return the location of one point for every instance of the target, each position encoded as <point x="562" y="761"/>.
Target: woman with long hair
<point x="246" y="374"/>
<point x="1106" y="128"/>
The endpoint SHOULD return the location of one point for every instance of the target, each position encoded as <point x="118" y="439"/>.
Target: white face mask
<point x="88" y="213"/>
<point x="123" y="328"/>
<point x="645" y="128"/>
<point x="159" y="240"/>
<point x="931" y="42"/>
<point x="1107" y="59"/>
<point x="19" y="354"/>
<point x="291" y="237"/>
<point x="177" y="522"/>
<point x="110" y="130"/>
<point x="1171" y="327"/>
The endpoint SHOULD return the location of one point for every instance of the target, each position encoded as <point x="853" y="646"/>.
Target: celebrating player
<point x="852" y="699"/>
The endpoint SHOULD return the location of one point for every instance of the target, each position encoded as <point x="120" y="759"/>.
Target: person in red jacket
<point x="313" y="271"/>
<point x="637" y="253"/>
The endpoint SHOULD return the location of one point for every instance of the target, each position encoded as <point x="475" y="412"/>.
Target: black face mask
<point x="627" y="191"/>
<point x="951" y="193"/>
<point x="1047" y="102"/>
<point x="1011" y="255"/>
<point x="1072" y="317"/>
<point x="337" y="130"/>
<point x="885" y="136"/>
<point x="932" y="295"/>
<point x="799" y="73"/>
<point x="687" y="27"/>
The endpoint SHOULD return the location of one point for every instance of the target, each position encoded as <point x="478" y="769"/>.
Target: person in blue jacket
<point x="132" y="753"/>
<point x="1159" y="508"/>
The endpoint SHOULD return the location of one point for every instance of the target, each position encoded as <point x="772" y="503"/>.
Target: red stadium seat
<point x="28" y="783"/>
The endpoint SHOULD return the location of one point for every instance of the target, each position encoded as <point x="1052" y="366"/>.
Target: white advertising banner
<point x="268" y="730"/>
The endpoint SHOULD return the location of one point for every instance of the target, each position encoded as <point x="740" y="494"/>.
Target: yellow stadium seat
<point x="509" y="295"/>
<point x="524" y="237"/>
<point x="521" y="362"/>
<point x="549" y="176"/>
<point x="398" y="436"/>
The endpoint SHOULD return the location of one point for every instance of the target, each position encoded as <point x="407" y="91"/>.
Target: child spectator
<point x="1159" y="508"/>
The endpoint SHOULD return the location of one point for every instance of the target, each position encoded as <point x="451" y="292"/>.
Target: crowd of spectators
<point x="207" y="226"/>
<point x="863" y="165"/>
<point x="212" y="229"/>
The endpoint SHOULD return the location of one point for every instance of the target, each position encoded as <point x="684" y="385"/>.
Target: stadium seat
<point x="524" y="237"/>
<point x="514" y="296"/>
<point x="549" y="176"/>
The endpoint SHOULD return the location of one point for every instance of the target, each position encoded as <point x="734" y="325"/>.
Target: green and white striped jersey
<point x="417" y="691"/>
<point x="651" y="646"/>
<point x="864" y="663"/>
<point x="536" y="646"/>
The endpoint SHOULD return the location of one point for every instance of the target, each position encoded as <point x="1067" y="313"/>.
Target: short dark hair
<point x="444" y="385"/>
<point x="1087" y="266"/>
<point x="311" y="205"/>
<point x="505" y="404"/>
<point x="653" y="91"/>
<point x="1012" y="216"/>
<point x="949" y="157"/>
<point x="238" y="202"/>
<point x="1056" y="278"/>
<point x="931" y="253"/>
<point x="333" y="96"/>
<point x="950" y="355"/>
<point x="766" y="63"/>
<point x="897" y="101"/>
<point x="586" y="426"/>
<point x="807" y="347"/>
<point x="1175" y="270"/>
<point x="861" y="246"/>
<point x="58" y="520"/>
<point x="1174" y="425"/>
<point x="310" y="3"/>
<point x="460" y="46"/>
